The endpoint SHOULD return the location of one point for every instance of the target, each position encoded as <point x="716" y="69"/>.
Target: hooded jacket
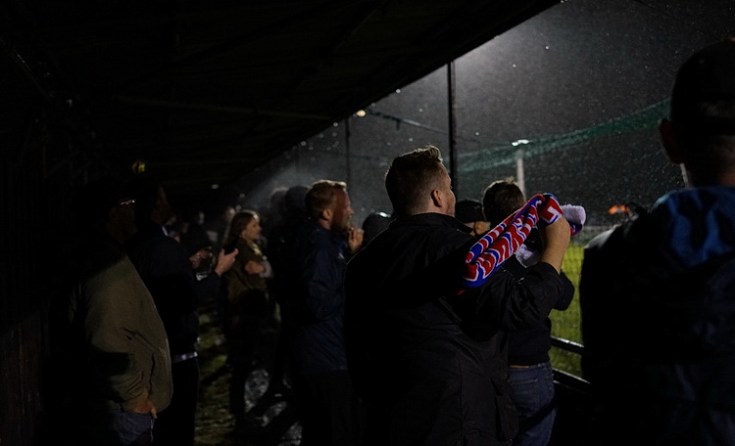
<point x="658" y="311"/>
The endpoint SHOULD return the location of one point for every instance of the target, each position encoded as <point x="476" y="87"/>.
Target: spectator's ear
<point x="441" y="201"/>
<point x="327" y="215"/>
<point x="669" y="141"/>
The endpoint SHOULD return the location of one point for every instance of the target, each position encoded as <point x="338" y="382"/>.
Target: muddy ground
<point x="273" y="423"/>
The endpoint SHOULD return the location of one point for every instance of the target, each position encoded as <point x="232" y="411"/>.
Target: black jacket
<point x="531" y="346"/>
<point x="164" y="266"/>
<point x="317" y="343"/>
<point x="425" y="358"/>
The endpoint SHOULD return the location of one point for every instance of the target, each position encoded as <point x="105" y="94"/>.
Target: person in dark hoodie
<point x="164" y="265"/>
<point x="658" y="293"/>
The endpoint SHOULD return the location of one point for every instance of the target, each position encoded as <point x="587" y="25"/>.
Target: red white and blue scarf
<point x="501" y="242"/>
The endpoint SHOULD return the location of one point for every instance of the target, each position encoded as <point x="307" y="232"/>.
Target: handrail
<point x="568" y="345"/>
<point x="570" y="380"/>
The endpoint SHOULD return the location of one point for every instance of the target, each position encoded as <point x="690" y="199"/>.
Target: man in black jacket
<point x="426" y="360"/>
<point x="529" y="366"/>
<point x="164" y="266"/>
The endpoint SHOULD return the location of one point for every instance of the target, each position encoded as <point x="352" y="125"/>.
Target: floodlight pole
<point x="452" y="126"/>
<point x="520" y="171"/>
<point x="348" y="170"/>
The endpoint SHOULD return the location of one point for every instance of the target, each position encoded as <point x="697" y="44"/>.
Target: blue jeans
<point x="108" y="427"/>
<point x="133" y="428"/>
<point x="533" y="395"/>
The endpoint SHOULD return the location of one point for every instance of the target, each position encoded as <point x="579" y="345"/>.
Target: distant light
<point x="398" y="90"/>
<point x="361" y="113"/>
<point x="215" y="186"/>
<point x="519" y="142"/>
<point x="138" y="167"/>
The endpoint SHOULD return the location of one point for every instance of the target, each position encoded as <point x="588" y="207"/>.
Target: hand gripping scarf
<point x="498" y="244"/>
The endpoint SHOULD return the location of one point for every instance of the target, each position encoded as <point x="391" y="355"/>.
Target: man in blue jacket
<point x="329" y="408"/>
<point x="658" y="293"/>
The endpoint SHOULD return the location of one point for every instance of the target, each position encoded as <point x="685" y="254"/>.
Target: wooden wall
<point x="38" y="167"/>
<point x="22" y="320"/>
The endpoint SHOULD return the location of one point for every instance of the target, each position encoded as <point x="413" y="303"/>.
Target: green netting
<point x="507" y="153"/>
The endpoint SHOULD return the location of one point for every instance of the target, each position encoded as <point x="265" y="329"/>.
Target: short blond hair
<point x="411" y="176"/>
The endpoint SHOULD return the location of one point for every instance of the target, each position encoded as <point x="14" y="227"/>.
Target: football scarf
<point x="501" y="242"/>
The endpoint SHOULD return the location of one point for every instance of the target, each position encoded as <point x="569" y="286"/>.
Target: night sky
<point x="585" y="83"/>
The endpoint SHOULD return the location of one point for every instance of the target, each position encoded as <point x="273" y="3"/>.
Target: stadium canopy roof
<point x="207" y="91"/>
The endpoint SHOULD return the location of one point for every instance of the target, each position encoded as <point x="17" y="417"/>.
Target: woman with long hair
<point x="250" y="316"/>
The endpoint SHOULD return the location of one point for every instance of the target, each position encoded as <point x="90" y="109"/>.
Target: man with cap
<point x="470" y="213"/>
<point x="658" y="293"/>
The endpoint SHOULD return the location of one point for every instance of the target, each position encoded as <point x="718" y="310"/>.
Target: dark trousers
<point x="175" y="425"/>
<point x="329" y="409"/>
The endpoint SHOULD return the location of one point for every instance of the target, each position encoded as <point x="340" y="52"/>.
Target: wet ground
<point x="271" y="420"/>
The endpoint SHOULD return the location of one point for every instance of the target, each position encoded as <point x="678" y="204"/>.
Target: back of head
<point x="147" y="193"/>
<point x="411" y="177"/>
<point x="195" y="239"/>
<point x="703" y="111"/>
<point x="295" y="200"/>
<point x="500" y="199"/>
<point x="321" y="195"/>
<point x="94" y="201"/>
<point x="102" y="207"/>
<point x="277" y="197"/>
<point x="375" y="223"/>
<point x="468" y="211"/>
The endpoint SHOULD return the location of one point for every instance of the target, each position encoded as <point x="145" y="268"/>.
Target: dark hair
<point x="468" y="211"/>
<point x="321" y="195"/>
<point x="703" y="109"/>
<point x="238" y="223"/>
<point x="375" y="223"/>
<point x="194" y="239"/>
<point x="411" y="176"/>
<point x="500" y="199"/>
<point x="92" y="202"/>
<point x="295" y="199"/>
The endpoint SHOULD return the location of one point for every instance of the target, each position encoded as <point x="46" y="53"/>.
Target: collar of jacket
<point x="431" y="219"/>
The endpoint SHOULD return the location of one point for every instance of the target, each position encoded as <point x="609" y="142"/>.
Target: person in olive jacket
<point x="108" y="327"/>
